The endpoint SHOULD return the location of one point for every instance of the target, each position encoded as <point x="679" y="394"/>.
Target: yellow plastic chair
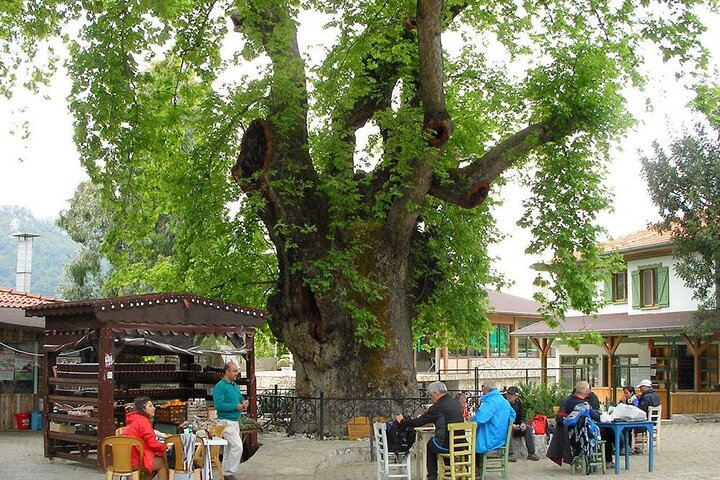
<point x="498" y="464"/>
<point x="121" y="449"/>
<point x="459" y="463"/>
<point x="178" y="466"/>
<point x="217" y="431"/>
<point x="119" y="431"/>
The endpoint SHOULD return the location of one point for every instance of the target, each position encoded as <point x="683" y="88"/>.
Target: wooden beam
<point x="543" y="345"/>
<point x="106" y="390"/>
<point x="698" y="347"/>
<point x="611" y="344"/>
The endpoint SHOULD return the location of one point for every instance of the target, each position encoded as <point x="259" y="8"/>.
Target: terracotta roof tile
<point x="16" y="299"/>
<point x="645" y="239"/>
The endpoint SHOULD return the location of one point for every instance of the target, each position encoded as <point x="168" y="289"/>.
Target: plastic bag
<point x="628" y="413"/>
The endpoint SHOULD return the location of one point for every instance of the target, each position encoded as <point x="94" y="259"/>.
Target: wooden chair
<point x="597" y="459"/>
<point x="498" y="463"/>
<point x="389" y="465"/>
<point x="178" y="465"/>
<point x="120" y="450"/>
<point x="459" y="463"/>
<point x="217" y="431"/>
<point x="641" y="439"/>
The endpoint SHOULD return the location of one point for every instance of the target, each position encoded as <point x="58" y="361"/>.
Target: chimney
<point x="23" y="272"/>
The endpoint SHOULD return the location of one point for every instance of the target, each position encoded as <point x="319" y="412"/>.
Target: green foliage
<point x="683" y="184"/>
<point x="87" y="223"/>
<point x="540" y="398"/>
<point x="160" y="101"/>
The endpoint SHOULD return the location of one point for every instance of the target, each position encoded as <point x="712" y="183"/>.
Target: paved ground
<point x="687" y="452"/>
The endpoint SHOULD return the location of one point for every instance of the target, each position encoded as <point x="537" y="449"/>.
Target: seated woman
<point x="629" y="397"/>
<point x="139" y="426"/>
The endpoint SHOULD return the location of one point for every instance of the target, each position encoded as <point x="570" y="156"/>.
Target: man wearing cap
<point x="648" y="396"/>
<point x="520" y="429"/>
<point x="493" y="417"/>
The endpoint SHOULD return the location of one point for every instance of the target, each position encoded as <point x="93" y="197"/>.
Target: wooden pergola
<point x="114" y="326"/>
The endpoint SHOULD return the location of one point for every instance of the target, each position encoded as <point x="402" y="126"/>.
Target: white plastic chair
<point x="641" y="440"/>
<point x="389" y="465"/>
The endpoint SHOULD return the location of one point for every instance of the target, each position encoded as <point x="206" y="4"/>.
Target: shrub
<point x="540" y="398"/>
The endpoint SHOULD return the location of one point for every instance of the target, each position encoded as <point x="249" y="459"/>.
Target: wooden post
<point x="252" y="385"/>
<point x="49" y="360"/>
<point x="543" y="345"/>
<point x="106" y="382"/>
<point x="698" y="347"/>
<point x="611" y="344"/>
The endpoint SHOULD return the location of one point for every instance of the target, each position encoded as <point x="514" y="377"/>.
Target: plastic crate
<point x="171" y="414"/>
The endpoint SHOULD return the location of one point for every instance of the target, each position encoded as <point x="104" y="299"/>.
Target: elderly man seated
<point x="493" y="417"/>
<point x="580" y="395"/>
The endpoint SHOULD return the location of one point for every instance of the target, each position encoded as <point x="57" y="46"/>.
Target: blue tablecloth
<point x="626" y="428"/>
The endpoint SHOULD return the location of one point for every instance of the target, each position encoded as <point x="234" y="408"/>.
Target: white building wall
<point x="680" y="296"/>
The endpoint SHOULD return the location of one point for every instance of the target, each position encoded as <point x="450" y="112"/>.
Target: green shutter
<point x="608" y="294"/>
<point x="636" y="289"/>
<point x="663" y="277"/>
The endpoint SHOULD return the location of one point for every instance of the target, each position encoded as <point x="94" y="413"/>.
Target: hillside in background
<point x="50" y="251"/>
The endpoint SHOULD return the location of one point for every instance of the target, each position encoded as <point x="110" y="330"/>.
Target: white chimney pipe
<point x="23" y="272"/>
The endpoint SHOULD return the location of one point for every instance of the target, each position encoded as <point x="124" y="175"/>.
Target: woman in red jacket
<point x="139" y="426"/>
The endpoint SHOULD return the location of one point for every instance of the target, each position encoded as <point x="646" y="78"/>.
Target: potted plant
<point x="284" y="364"/>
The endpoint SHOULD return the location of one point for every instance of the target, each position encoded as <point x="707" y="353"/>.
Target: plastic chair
<point x="498" y="463"/>
<point x="120" y="449"/>
<point x="641" y="440"/>
<point x="119" y="431"/>
<point x="597" y="459"/>
<point x="178" y="466"/>
<point x="217" y="431"/>
<point x="459" y="463"/>
<point x="389" y="465"/>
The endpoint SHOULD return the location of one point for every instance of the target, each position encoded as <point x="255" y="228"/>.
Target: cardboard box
<point x="62" y="427"/>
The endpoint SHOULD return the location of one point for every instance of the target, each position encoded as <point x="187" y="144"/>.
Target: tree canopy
<point x="683" y="183"/>
<point x="364" y="162"/>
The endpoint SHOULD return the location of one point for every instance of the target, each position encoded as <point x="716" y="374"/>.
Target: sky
<point x="42" y="172"/>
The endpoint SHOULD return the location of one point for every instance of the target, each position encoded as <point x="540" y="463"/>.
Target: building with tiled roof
<point x="13" y="304"/>
<point x="21" y="341"/>
<point x="644" y="325"/>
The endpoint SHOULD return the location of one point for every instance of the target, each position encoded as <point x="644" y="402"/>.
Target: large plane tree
<point x="367" y="141"/>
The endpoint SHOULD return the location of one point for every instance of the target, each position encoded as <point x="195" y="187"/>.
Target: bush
<point x="540" y="398"/>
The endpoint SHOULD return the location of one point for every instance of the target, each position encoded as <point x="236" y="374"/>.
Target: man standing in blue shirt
<point x="230" y="404"/>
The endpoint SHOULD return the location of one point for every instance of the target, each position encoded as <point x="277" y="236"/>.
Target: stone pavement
<point x="688" y="451"/>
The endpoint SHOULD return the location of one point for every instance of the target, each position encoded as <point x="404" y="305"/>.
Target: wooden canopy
<point x="105" y="323"/>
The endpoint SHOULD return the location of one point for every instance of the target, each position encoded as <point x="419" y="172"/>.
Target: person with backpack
<point x="445" y="409"/>
<point x="520" y="428"/>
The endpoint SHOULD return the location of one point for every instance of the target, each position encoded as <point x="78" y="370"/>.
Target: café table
<point x="625" y="429"/>
<point x="422" y="436"/>
<point x="207" y="473"/>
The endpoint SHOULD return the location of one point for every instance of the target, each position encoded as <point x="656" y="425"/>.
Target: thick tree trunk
<point x="320" y="331"/>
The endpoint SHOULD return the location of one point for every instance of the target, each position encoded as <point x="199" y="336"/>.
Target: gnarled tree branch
<point x="468" y="186"/>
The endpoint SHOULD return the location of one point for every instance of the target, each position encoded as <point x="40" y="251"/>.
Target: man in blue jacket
<point x="493" y="419"/>
<point x="230" y="404"/>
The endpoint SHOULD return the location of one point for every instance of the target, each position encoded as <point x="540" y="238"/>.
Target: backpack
<point x="399" y="440"/>
<point x="539" y="424"/>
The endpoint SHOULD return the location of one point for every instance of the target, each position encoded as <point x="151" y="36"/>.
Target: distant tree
<point x="684" y="183"/>
<point x="375" y="244"/>
<point x="88" y="223"/>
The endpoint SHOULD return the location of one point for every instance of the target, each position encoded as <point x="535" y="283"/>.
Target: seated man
<point x="580" y="395"/>
<point x="492" y="417"/>
<point x="445" y="409"/>
<point x="520" y="429"/>
<point x="648" y="398"/>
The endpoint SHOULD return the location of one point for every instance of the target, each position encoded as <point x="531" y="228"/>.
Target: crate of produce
<point x="171" y="413"/>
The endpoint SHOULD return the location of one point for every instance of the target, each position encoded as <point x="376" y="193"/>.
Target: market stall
<point x="96" y="361"/>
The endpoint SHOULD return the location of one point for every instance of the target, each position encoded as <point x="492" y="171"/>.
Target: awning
<point x="638" y="325"/>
